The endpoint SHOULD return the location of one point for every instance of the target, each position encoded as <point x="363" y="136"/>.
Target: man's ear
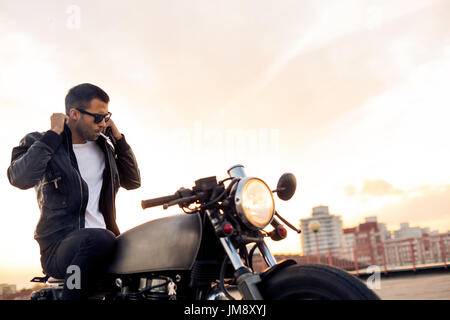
<point x="74" y="114"/>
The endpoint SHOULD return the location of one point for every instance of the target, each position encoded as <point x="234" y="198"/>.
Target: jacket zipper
<point x="81" y="202"/>
<point x="110" y="173"/>
<point x="81" y="184"/>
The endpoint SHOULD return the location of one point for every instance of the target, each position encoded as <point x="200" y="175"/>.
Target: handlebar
<point x="181" y="201"/>
<point x="158" y="201"/>
<point x="183" y="197"/>
<point x="180" y="196"/>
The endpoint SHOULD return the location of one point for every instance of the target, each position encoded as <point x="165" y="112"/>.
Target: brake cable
<point x="235" y="180"/>
<point x="222" y="279"/>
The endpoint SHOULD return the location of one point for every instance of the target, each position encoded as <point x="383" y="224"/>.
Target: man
<point x="76" y="173"/>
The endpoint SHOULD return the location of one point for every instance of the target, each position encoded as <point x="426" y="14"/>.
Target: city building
<point x="364" y="242"/>
<point x="329" y="235"/>
<point x="7" y="288"/>
<point x="385" y="234"/>
<point x="407" y="232"/>
<point x="370" y="243"/>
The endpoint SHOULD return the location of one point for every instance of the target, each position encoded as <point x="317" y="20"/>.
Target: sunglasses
<point x="98" y="117"/>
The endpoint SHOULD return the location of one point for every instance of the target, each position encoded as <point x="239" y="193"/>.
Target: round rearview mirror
<point x="286" y="186"/>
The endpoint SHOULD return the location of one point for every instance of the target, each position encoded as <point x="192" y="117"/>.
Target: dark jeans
<point x="88" y="251"/>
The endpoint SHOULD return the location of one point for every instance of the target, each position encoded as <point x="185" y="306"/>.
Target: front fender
<point x="267" y="274"/>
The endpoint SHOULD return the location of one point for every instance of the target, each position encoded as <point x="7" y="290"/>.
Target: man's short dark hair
<point x="81" y="95"/>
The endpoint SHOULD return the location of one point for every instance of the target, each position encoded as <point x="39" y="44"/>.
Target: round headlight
<point x="254" y="203"/>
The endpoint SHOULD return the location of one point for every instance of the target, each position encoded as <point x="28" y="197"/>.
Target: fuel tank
<point x="169" y="243"/>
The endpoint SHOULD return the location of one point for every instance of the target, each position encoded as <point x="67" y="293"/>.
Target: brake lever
<point x="185" y="200"/>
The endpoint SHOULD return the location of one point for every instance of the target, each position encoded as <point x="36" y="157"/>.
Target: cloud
<point x="350" y="191"/>
<point x="373" y="188"/>
<point x="423" y="205"/>
<point x="379" y="188"/>
<point x="426" y="206"/>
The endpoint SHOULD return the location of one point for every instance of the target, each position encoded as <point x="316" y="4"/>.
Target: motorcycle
<point x="204" y="253"/>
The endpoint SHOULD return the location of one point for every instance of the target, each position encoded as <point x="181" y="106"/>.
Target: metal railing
<point x="390" y="255"/>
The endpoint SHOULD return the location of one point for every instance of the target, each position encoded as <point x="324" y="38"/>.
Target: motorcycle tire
<point x="314" y="282"/>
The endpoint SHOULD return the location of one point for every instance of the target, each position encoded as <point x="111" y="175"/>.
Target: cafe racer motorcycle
<point x="206" y="253"/>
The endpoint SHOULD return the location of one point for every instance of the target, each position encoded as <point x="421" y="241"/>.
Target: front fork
<point x="247" y="281"/>
<point x="235" y="258"/>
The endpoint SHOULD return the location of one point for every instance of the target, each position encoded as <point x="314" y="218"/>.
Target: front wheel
<point x="314" y="282"/>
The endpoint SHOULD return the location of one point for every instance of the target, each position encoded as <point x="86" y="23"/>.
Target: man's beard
<point x="86" y="133"/>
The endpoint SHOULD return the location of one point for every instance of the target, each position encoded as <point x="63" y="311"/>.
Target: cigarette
<point x="108" y="140"/>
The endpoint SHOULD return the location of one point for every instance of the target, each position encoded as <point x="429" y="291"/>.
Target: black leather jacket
<point x="46" y="161"/>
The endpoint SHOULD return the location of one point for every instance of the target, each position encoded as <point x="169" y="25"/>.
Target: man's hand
<point x="117" y="135"/>
<point x="57" y="122"/>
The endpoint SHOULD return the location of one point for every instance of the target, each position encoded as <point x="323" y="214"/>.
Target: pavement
<point x="414" y="287"/>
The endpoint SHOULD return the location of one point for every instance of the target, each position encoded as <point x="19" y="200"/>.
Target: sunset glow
<point x="350" y="96"/>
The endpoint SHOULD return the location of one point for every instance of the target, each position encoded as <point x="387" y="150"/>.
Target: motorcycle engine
<point x="148" y="288"/>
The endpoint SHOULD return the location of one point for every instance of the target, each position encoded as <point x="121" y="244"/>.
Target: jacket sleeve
<point x="29" y="160"/>
<point x="129" y="174"/>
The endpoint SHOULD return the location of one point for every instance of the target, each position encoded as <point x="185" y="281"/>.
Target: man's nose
<point x="102" y="123"/>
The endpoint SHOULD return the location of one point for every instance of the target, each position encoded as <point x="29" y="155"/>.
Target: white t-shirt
<point x="91" y="162"/>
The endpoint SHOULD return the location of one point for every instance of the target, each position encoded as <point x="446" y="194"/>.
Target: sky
<point x="350" y="96"/>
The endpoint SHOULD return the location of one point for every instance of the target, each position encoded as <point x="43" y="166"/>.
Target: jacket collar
<point x="67" y="137"/>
